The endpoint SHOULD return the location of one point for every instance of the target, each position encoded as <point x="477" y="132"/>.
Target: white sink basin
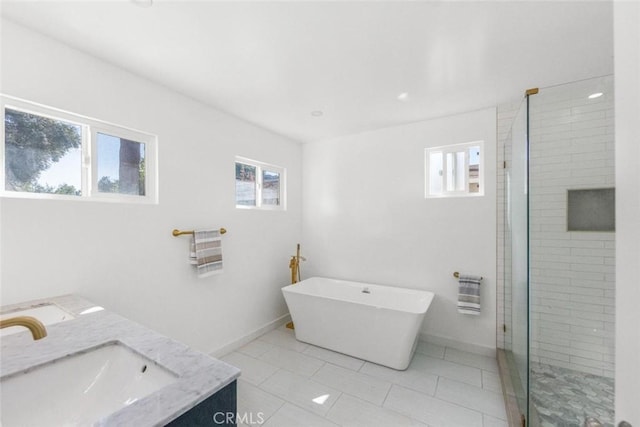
<point x="48" y="314"/>
<point x="80" y="389"/>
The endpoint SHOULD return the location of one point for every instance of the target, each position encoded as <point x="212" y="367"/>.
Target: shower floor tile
<point x="343" y="391"/>
<point x="564" y="397"/>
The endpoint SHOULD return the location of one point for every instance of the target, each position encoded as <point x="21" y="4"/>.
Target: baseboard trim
<point x="282" y="320"/>
<point x="459" y="345"/>
<point x="236" y="344"/>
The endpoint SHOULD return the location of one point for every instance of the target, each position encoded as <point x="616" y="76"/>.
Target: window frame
<point x="118" y="132"/>
<point x="260" y="167"/>
<point x="453" y="149"/>
<point x="89" y="158"/>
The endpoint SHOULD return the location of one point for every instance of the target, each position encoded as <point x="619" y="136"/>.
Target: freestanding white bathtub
<point x="371" y="322"/>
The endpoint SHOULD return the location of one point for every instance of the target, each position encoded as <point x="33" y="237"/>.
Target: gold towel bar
<point x="177" y="232"/>
<point x="457" y="275"/>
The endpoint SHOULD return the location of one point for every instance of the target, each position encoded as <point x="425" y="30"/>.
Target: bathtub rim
<point x="428" y="294"/>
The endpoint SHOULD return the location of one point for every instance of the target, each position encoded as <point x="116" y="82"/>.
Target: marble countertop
<point x="198" y="375"/>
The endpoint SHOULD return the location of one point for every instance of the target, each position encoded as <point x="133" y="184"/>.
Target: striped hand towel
<point x="206" y="252"/>
<point x="469" y="294"/>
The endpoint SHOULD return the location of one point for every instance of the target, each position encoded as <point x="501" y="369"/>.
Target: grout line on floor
<point x="435" y="390"/>
<point x="261" y="382"/>
<point x="275" y="412"/>
<point x="444" y="354"/>
<point x="386" y="395"/>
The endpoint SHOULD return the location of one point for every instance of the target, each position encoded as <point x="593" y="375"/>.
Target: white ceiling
<point x="273" y="63"/>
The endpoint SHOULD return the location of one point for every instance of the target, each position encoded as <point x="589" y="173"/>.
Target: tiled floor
<point x="286" y="383"/>
<point x="564" y="398"/>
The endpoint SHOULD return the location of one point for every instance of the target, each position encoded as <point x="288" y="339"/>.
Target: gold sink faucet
<point x="38" y="331"/>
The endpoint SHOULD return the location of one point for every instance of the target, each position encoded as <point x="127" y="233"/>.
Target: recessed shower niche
<point x="591" y="210"/>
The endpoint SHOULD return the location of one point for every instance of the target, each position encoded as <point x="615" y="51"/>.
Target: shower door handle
<point x="624" y="424"/>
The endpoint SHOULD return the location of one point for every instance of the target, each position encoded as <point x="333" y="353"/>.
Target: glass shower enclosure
<point x="559" y="254"/>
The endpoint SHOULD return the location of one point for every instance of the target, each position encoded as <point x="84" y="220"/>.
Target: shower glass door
<point x="517" y="257"/>
<point x="572" y="253"/>
<point x="559" y="253"/>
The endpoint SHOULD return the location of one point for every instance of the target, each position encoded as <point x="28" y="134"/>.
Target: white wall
<point x="366" y="218"/>
<point x="123" y="255"/>
<point x="627" y="83"/>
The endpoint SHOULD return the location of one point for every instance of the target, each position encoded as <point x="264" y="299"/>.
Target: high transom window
<point x="454" y="170"/>
<point x="259" y="185"/>
<point x="49" y="153"/>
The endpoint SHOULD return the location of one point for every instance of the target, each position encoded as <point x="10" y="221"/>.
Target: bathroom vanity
<point x="95" y="367"/>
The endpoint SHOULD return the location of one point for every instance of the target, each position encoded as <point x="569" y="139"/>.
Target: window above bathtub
<point x="52" y="154"/>
<point x="259" y="185"/>
<point x="454" y="170"/>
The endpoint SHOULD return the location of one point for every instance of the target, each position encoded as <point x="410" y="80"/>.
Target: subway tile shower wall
<point x="572" y="273"/>
<point x="572" y="276"/>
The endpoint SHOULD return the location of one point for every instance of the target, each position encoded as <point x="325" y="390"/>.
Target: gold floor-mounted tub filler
<point x="294" y="265"/>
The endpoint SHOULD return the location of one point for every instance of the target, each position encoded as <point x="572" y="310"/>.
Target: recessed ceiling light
<point x="595" y="95"/>
<point x="403" y="96"/>
<point x="143" y="3"/>
<point x="317" y="113"/>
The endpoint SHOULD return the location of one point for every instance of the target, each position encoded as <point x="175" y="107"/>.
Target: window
<point x="120" y="165"/>
<point x="454" y="170"/>
<point x="48" y="153"/>
<point x="259" y="185"/>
